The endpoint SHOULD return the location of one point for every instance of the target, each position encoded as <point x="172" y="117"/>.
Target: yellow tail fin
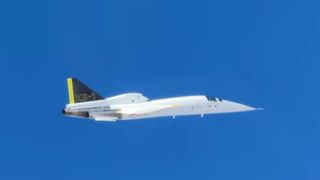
<point x="70" y="90"/>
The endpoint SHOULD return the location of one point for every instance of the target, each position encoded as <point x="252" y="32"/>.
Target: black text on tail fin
<point x="79" y="92"/>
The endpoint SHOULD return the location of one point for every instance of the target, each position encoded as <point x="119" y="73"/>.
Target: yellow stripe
<point x="70" y="90"/>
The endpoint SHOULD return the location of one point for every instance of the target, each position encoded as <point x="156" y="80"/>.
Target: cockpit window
<point x="215" y="99"/>
<point x="211" y="98"/>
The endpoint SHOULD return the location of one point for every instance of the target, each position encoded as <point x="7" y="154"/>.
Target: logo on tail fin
<point x="79" y="92"/>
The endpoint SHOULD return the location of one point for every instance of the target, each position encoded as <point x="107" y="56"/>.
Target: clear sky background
<point x="260" y="53"/>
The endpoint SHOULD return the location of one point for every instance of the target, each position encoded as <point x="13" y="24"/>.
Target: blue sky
<point x="260" y="53"/>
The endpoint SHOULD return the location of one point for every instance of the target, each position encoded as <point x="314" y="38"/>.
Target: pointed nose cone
<point x="237" y="107"/>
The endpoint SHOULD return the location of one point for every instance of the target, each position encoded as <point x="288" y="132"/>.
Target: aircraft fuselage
<point x="102" y="110"/>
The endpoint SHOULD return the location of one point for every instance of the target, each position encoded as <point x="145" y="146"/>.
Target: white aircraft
<point x="86" y="103"/>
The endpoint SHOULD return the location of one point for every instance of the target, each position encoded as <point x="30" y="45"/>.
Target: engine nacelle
<point x="83" y="114"/>
<point x="127" y="98"/>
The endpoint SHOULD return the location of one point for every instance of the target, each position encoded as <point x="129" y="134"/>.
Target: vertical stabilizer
<point x="79" y="92"/>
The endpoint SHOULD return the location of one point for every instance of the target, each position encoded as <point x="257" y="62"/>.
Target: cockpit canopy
<point x="215" y="99"/>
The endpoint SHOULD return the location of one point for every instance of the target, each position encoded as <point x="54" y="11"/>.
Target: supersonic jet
<point x="86" y="103"/>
